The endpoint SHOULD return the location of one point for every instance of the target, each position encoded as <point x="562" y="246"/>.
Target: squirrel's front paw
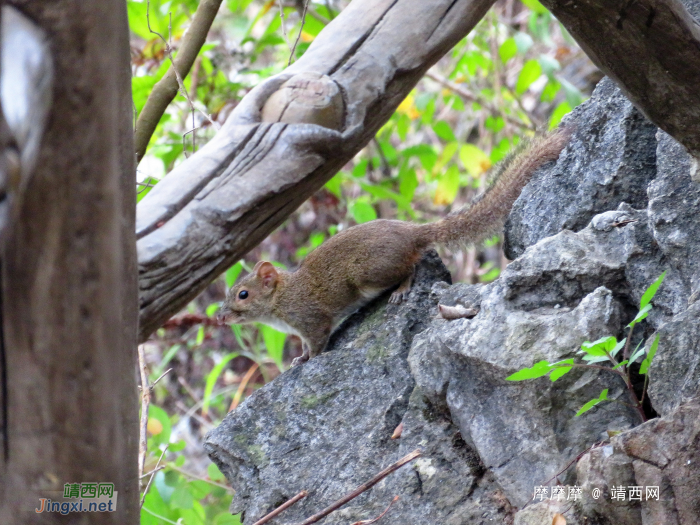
<point x="398" y="297"/>
<point x="299" y="360"/>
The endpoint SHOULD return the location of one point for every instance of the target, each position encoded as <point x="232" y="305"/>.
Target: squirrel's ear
<point x="267" y="273"/>
<point x="258" y="265"/>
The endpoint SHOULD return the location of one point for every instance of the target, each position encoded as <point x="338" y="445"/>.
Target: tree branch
<point x="651" y="48"/>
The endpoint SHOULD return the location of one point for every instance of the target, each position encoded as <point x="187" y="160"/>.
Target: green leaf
<point x="601" y="347"/>
<point x="214" y="473"/>
<point x="619" y="346"/>
<point x="155" y="412"/>
<point x="593" y="402"/>
<point x="508" y="50"/>
<point x="211" y="309"/>
<point x="523" y="41"/>
<point x="535" y="6"/>
<point x="182" y="498"/>
<point x="360" y="169"/>
<point x="531" y="71"/>
<point x="637" y="352"/>
<point x="621" y="363"/>
<point x="226" y="518"/>
<point x="443" y="130"/>
<point x="233" y="273"/>
<point x="200" y="336"/>
<point x="212" y="377"/>
<point x="334" y="185"/>
<point x="539" y="369"/>
<point x="179" y="461"/>
<point x="448" y="186"/>
<point x="274" y="342"/>
<point x="560" y="371"/>
<point x="558" y="114"/>
<point x="177" y="446"/>
<point x="549" y="65"/>
<point x="644" y="368"/>
<point x="550" y="91"/>
<point x="362" y="212"/>
<point x="591" y="359"/>
<point x="474" y="160"/>
<point x="651" y="291"/>
<point x="408" y="182"/>
<point x="642" y="314"/>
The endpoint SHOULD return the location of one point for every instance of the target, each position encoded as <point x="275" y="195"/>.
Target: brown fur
<point x="360" y="263"/>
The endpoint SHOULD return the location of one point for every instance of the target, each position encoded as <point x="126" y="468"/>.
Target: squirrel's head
<point x="250" y="299"/>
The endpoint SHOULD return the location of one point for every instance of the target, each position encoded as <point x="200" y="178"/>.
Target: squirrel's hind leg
<point x="401" y="293"/>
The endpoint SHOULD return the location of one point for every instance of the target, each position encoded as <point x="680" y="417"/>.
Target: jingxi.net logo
<point x="82" y="497"/>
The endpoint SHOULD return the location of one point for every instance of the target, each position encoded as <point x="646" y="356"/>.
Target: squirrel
<point x="358" y="264"/>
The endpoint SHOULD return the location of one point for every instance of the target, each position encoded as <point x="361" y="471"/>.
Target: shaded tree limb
<point x="651" y="48"/>
<point x="166" y="88"/>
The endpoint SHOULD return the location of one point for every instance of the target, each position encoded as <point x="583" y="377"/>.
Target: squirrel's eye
<point x="243" y="294"/>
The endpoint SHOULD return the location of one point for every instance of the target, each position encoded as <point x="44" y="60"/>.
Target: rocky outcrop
<point x="620" y="206"/>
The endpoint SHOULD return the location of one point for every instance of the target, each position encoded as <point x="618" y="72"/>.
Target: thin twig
<point x="145" y="402"/>
<point x="160" y="377"/>
<point x="153" y="473"/>
<point x="184" y="138"/>
<point x="301" y="29"/>
<point x="375" y="520"/>
<point x="594" y="445"/>
<point x="281" y="508"/>
<point x="146" y="474"/>
<point x="284" y="30"/>
<point x="359" y="490"/>
<point x="169" y="51"/>
<point x="464" y="93"/>
<point x="241" y="387"/>
<point x="194" y="476"/>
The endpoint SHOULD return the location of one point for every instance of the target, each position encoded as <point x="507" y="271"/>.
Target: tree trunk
<point x="68" y="279"/>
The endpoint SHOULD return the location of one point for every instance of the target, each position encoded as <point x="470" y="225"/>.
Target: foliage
<point x="606" y="350"/>
<point x="517" y="71"/>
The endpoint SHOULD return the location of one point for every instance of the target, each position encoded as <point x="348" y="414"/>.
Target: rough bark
<point x="165" y="90"/>
<point x="651" y="48"/>
<point x="68" y="274"/>
<point x="225" y="199"/>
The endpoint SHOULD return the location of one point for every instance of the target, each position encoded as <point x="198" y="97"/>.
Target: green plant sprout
<point x="604" y="350"/>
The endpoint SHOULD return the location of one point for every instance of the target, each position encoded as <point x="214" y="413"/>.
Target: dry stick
<point x="375" y="520"/>
<point x="282" y="508"/>
<point x="153" y="473"/>
<point x="166" y="88"/>
<point x="284" y="30"/>
<point x="171" y="466"/>
<point x="242" y="386"/>
<point x="301" y="29"/>
<point x="464" y="93"/>
<point x="359" y="490"/>
<point x="594" y="445"/>
<point x="145" y="401"/>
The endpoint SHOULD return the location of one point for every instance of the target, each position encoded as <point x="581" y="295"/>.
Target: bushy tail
<point x="487" y="214"/>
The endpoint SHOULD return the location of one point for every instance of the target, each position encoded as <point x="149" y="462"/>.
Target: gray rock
<point x="675" y="371"/>
<point x="325" y="427"/>
<point x="674" y="201"/>
<point x="610" y="159"/>
<point x="662" y="453"/>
